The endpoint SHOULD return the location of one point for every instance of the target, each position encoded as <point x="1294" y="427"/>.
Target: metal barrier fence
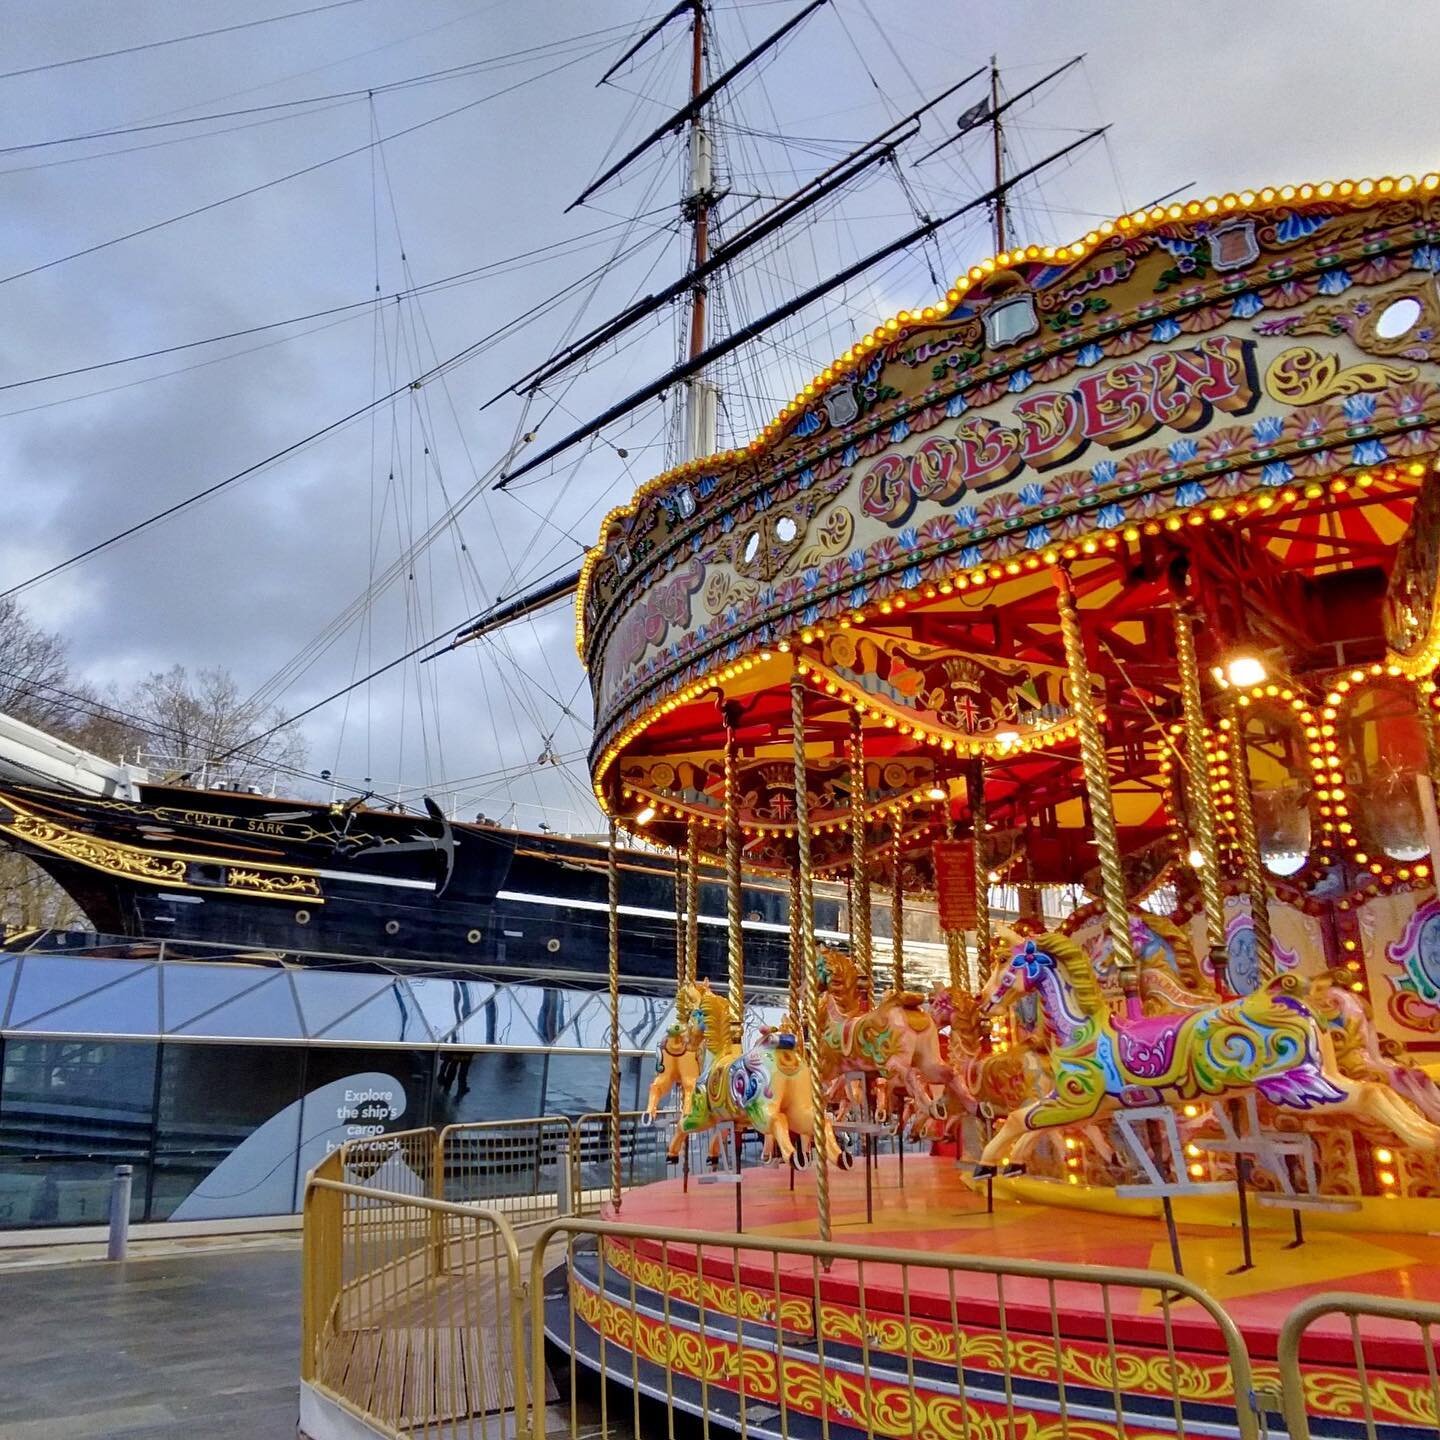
<point x="757" y="1335"/>
<point x="400" y="1161"/>
<point x="412" y="1312"/>
<point x="520" y="1168"/>
<point x="1406" y="1393"/>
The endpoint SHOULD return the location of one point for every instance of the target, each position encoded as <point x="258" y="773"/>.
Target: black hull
<point x="248" y="870"/>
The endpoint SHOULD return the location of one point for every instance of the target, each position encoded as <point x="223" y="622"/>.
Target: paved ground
<point x="190" y="1341"/>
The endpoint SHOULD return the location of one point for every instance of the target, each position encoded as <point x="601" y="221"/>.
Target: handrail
<point x="1421" y="1313"/>
<point x="828" y="1252"/>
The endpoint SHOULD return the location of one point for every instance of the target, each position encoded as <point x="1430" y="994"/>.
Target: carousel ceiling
<point x="1241" y="391"/>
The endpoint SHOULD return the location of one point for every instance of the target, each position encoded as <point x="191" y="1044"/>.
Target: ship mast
<point x="999" y="136"/>
<point x="699" y="392"/>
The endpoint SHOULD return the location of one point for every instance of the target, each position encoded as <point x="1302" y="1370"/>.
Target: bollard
<point x="119" y="1213"/>
<point x="564" y="1185"/>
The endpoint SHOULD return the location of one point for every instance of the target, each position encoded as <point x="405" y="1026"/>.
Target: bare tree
<point x="34" y="671"/>
<point x="194" y="725"/>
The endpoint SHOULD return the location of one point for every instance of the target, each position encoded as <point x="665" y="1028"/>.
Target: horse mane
<point x="716" y="1010"/>
<point x="843" y="981"/>
<point x="1077" y="967"/>
<point x="967" y="1029"/>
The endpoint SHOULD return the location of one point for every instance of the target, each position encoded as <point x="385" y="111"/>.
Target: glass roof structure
<point x="165" y="997"/>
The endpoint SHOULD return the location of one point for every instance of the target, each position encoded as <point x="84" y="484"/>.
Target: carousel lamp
<point x="938" y="792"/>
<point x="1196" y="859"/>
<point x="1244" y="670"/>
<point x="645" y="816"/>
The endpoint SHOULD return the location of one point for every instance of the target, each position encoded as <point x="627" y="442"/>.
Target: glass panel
<point x="391" y="1016"/>
<point x="49" y="981"/>
<point x="1280" y="781"/>
<point x="71" y="1110"/>
<point x="192" y="988"/>
<point x="489" y="1085"/>
<point x="446" y="1003"/>
<point x="353" y="1093"/>
<point x="265" y="1012"/>
<point x="326" y="995"/>
<point x="129" y="1005"/>
<point x="1386" y="764"/>
<point x="500" y="1018"/>
<point x="227" y="1131"/>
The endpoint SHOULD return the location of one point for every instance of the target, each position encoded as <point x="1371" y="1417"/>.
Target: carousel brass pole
<point x="860" y="929"/>
<point x="796" y="1017"/>
<point x="1256" y="890"/>
<point x="614" y="877"/>
<point x="897" y="907"/>
<point x="692" y="902"/>
<point x="1097" y="785"/>
<point x="734" y="898"/>
<point x="819" y="1159"/>
<point x="975" y="789"/>
<point x="1202" y="801"/>
<point x="680" y="961"/>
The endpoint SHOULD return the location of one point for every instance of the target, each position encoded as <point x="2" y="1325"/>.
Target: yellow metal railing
<point x="520" y="1168"/>
<point x="1408" y="1341"/>
<point x="777" y="1335"/>
<point x="412" y="1313"/>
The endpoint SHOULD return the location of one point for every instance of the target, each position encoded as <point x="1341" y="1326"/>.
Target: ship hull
<point x="216" y="867"/>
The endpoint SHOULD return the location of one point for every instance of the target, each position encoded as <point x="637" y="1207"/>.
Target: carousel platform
<point x="875" y="1348"/>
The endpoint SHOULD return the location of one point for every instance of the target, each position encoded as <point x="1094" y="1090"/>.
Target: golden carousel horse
<point x="766" y="1087"/>
<point x="897" y="1040"/>
<point x="676" y="1061"/>
<point x="1269" y="1042"/>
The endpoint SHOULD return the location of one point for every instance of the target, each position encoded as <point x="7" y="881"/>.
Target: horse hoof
<point x="672" y="1159"/>
<point x="713" y="1163"/>
<point x="845" y="1160"/>
<point x="939" y="1109"/>
<point x="1006" y="1171"/>
<point x="800" y="1160"/>
<point x="984" y="1172"/>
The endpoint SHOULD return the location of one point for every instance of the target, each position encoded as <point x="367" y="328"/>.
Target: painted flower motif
<point x="828" y="467"/>
<point x="1148" y="505"/>
<point x="1425" y="257"/>
<point x="859" y="596"/>
<point x="972" y="555"/>
<point x="1163" y="330"/>
<point x="1369" y="452"/>
<point x="926" y="419"/>
<point x="899" y="431"/>
<point x="873" y="443"/>
<point x="1375" y="268"/>
<point x="1313" y="463"/>
<point x="850" y="454"/>
<point x="1359" y="409"/>
<point x="1072" y="526"/>
<point x="833" y="572"/>
<point x="788" y="591"/>
<point x="1192" y="492"/>
<point x="1246" y="304"/>
<point x="809" y="423"/>
<point x="1127" y="342"/>
<point x="1004" y="507"/>
<point x="1183" y="451"/>
<point x="1277" y="472"/>
<point x="1418" y="440"/>
<point x="885" y="551"/>
<point x="1202" y="318"/>
<point x="967" y="517"/>
<point x="956" y="405"/>
<point x="1313" y="422"/>
<point x="1037" y="537"/>
<point x="1090" y="354"/>
<point x="1103" y="472"/>
<point x="1019" y="381"/>
<point x="1108" y="517"/>
<point x="1335" y="282"/>
<point x="1072" y="485"/>
<point x="1142" y="465"/>
<point x="937" y="529"/>
<point x="986" y="392"/>
<point x="910" y="576"/>
<point x="1285" y="293"/>
<point x="1033" y="493"/>
<point x="1267" y="429"/>
<point x="1402" y="403"/>
<point x="1053" y="367"/>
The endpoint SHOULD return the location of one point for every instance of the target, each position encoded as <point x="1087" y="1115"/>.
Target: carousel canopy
<point x="1234" y="398"/>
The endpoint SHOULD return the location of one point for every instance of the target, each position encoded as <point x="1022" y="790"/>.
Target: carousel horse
<point x="766" y="1088"/>
<point x="1268" y="1041"/>
<point x="1002" y="1081"/>
<point x="676" y="1062"/>
<point x="898" y="1041"/>
<point x="1170" y="980"/>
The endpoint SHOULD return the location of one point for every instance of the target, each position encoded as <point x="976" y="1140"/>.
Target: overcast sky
<point x="1221" y="95"/>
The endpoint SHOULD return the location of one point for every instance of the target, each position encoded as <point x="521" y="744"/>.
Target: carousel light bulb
<point x="1245" y="671"/>
<point x="1197" y="860"/>
<point x="1006" y="738"/>
<point x="645" y="816"/>
<point x="937" y="792"/>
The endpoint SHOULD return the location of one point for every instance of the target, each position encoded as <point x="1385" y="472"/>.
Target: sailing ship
<point x="162" y="860"/>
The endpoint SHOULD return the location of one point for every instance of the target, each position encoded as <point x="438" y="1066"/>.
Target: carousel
<point x="1114" y="568"/>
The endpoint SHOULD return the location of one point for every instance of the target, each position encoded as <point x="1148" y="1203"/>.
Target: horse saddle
<point x="1146" y="1044"/>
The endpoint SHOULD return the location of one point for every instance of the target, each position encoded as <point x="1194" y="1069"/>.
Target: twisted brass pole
<point x="734" y="898"/>
<point x="897" y="906"/>
<point x="860" y="928"/>
<point x="1202" y="800"/>
<point x="796" y="1017"/>
<point x="1257" y="890"/>
<point x="692" y="902"/>
<point x="975" y="791"/>
<point x="819" y="1159"/>
<point x="614" y="879"/>
<point x="1097" y="786"/>
<point x="679" y="921"/>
